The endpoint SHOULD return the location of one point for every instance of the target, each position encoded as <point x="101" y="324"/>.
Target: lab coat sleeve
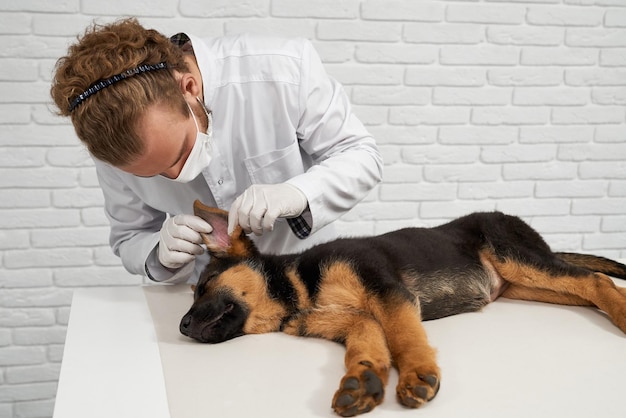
<point x="135" y="228"/>
<point x="347" y="162"/>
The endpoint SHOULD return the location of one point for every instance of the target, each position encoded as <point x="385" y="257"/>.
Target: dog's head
<point x="231" y="297"/>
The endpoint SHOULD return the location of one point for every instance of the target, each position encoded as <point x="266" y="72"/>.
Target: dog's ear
<point x="218" y="242"/>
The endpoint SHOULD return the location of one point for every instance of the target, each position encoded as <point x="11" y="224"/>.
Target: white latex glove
<point x="258" y="207"/>
<point x="180" y="240"/>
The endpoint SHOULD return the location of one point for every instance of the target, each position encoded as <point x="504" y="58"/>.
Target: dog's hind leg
<point x="415" y="359"/>
<point x="577" y="286"/>
<point x="367" y="357"/>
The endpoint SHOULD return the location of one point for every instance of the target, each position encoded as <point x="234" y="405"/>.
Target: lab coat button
<point x="220" y="181"/>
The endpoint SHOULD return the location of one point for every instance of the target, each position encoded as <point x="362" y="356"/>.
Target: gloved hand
<point x="180" y="240"/>
<point x="258" y="207"/>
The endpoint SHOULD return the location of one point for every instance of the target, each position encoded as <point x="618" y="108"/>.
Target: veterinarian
<point x="249" y="124"/>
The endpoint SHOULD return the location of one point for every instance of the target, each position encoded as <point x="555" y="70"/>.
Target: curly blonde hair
<point x="106" y="121"/>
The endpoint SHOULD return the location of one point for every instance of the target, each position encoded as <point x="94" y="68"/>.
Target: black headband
<point x="102" y="84"/>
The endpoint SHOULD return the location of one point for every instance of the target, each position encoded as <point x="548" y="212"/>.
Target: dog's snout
<point x="185" y="324"/>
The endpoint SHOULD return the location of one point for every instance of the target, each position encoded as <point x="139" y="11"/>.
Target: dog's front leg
<point x="419" y="374"/>
<point x="367" y="357"/>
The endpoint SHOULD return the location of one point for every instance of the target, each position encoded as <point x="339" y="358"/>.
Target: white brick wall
<point x="488" y="104"/>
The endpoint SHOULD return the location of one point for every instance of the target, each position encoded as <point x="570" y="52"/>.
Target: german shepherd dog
<point x="371" y="294"/>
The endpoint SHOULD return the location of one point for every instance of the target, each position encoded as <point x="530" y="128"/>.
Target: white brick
<point x="17" y="69"/>
<point x="69" y="237"/>
<point x="558" y="134"/>
<point x="564" y="16"/>
<point x="56" y="257"/>
<point x="163" y="8"/>
<point x="34" y="47"/>
<point x="461" y="173"/>
<point x="615" y="18"/>
<point x="405" y="135"/>
<point x="359" y="31"/>
<point x="87" y="177"/>
<point x="15" y="355"/>
<point x="484" y="96"/>
<point x="24" y="278"/>
<point x="565" y="224"/>
<point x="588" y="115"/>
<point x="613" y="224"/>
<point x="604" y="240"/>
<point x="32" y="218"/>
<point x="335" y="52"/>
<point x="218" y="8"/>
<point x="403" y="173"/>
<point x="534" y="96"/>
<point x="422" y="11"/>
<point x="37" y="177"/>
<point x="479" y="55"/>
<point x="613" y="206"/>
<point x="55" y="352"/>
<point x="371" y="115"/>
<point x="77" y="198"/>
<point x="95" y="276"/>
<point x="34" y="298"/>
<point x="42" y="6"/>
<point x="325" y="9"/>
<point x="445" y="76"/>
<point x="24" y="198"/>
<point x="6" y="409"/>
<point x="22" y="157"/>
<point x="382" y="211"/>
<point x="34" y="409"/>
<point x="534" y="207"/>
<point x="284" y="27"/>
<point x="27" y="392"/>
<point x="76" y="156"/>
<point x="60" y="25"/>
<point x="443" y="34"/>
<point x="496" y="190"/>
<point x="558" y="56"/>
<point x="370" y="74"/>
<point x="610" y="133"/>
<point x="5" y="340"/>
<point x="13" y="239"/>
<point x="93" y="217"/>
<point x="395" y="54"/>
<point x="26" y="317"/>
<point x="604" y="170"/>
<point x="617" y="188"/>
<point x="592" y="152"/>
<point x="39" y="335"/>
<point x="525" y="76"/>
<point x="595" y="77"/>
<point x="516" y="35"/>
<point x="474" y="135"/>
<point x="540" y="171"/>
<point x="429" y="115"/>
<point x="443" y="210"/>
<point x="437" y="154"/>
<point x="609" y="96"/>
<point x="594" y="188"/>
<point x="14" y="114"/>
<point x="417" y="192"/>
<point x="595" y="37"/>
<point x="613" y="57"/>
<point x="499" y="115"/>
<point x="391" y="95"/>
<point x="485" y="13"/>
<point x="517" y="153"/>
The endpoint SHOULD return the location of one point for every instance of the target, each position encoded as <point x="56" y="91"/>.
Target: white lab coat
<point x="277" y="117"/>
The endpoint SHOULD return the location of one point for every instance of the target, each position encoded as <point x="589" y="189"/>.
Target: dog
<point x="372" y="293"/>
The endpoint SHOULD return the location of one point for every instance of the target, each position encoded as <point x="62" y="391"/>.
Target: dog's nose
<point x="185" y="324"/>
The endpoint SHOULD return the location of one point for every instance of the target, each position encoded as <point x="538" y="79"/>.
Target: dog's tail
<point x="595" y="263"/>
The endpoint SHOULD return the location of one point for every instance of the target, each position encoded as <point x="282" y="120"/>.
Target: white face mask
<point x="200" y="155"/>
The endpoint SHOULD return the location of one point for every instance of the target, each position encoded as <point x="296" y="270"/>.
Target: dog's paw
<point x="418" y="387"/>
<point x="358" y="394"/>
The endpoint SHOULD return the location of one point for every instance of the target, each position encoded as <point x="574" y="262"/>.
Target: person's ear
<point x="189" y="85"/>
